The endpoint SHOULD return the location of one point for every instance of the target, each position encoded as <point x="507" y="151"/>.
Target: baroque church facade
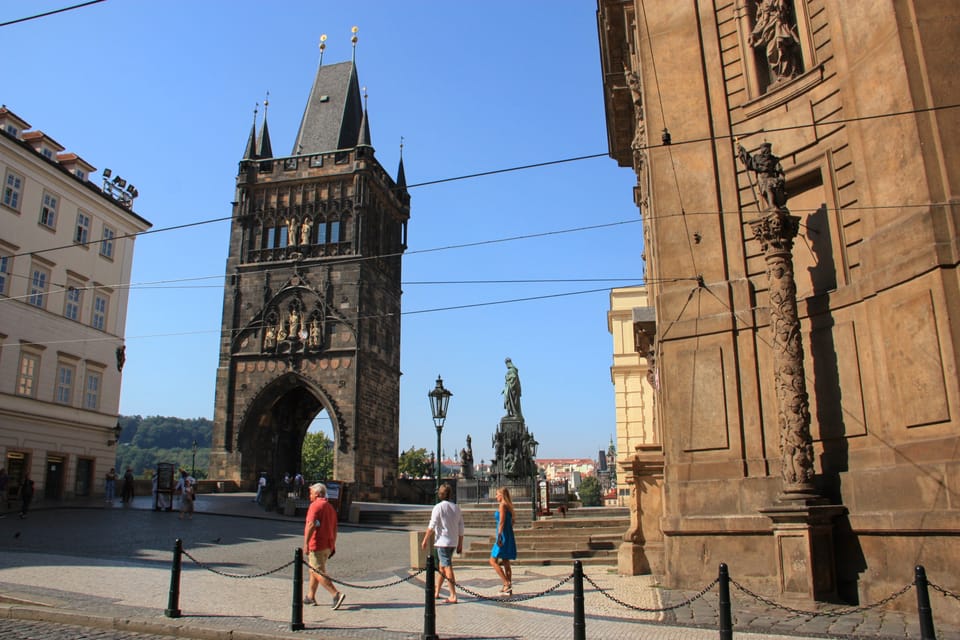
<point x="311" y="312"/>
<point x="834" y="486"/>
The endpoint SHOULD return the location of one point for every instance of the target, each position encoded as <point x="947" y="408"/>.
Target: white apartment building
<point x="66" y="254"/>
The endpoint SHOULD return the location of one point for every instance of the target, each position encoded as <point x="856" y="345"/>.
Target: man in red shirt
<point x="320" y="543"/>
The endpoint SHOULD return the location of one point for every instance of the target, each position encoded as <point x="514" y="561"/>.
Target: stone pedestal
<point x="641" y="551"/>
<point x="803" y="535"/>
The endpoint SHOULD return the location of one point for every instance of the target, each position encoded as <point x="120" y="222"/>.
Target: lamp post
<point x="193" y="465"/>
<point x="439" y="401"/>
<point x="117" y="430"/>
<point x="534" y="488"/>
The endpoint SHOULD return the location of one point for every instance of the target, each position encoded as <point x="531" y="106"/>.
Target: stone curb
<point x="173" y="628"/>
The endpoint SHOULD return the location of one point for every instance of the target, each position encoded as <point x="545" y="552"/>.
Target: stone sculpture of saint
<point x="314" y="334"/>
<point x="774" y="31"/>
<point x="511" y="391"/>
<point x="294" y="320"/>
<point x="770" y="177"/>
<point x="305" y="230"/>
<point x="292" y="231"/>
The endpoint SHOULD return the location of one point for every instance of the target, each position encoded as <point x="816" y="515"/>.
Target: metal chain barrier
<point x="363" y="586"/>
<point x="823" y="614"/>
<point x="671" y="607"/>
<point x="512" y="599"/>
<point x="944" y="592"/>
<point x="234" y="575"/>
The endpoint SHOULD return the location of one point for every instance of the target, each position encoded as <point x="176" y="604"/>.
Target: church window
<point x="335" y="231"/>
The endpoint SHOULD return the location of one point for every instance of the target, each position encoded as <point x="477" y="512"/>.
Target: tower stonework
<point x="311" y="310"/>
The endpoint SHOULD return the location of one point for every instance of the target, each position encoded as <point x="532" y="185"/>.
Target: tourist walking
<point x="505" y="548"/>
<point x="320" y="543"/>
<point x="110" y="485"/>
<point x="26" y="494"/>
<point x="187" y="496"/>
<point x="446" y="528"/>
<point x="126" y="492"/>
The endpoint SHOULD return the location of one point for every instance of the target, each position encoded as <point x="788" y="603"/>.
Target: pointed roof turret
<point x="401" y="174"/>
<point x="334" y="113"/>
<point x="264" y="150"/>
<point x="364" y="139"/>
<point x="250" y="151"/>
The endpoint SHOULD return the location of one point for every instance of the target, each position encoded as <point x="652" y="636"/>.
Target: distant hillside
<point x="146" y="441"/>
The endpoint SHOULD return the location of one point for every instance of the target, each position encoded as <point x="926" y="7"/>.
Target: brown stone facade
<point x="853" y="100"/>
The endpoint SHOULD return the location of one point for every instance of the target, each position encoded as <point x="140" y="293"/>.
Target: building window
<point x="80" y="173"/>
<point x="322" y="233"/>
<point x="106" y="243"/>
<point x="100" y="304"/>
<point x="12" y="130"/>
<point x="65" y="375"/>
<point x="335" y="231"/>
<point x="82" y="235"/>
<point x="6" y="265"/>
<point x="47" y="153"/>
<point x="74" y="300"/>
<point x="91" y="390"/>
<point x="39" y="281"/>
<point x="48" y="211"/>
<point x="12" y="189"/>
<point x="27" y="374"/>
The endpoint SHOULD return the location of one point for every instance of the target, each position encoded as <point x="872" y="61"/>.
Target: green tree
<point x="317" y="457"/>
<point x="414" y="463"/>
<point x="590" y="491"/>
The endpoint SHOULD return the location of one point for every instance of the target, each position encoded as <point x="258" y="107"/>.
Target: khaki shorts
<point x="318" y="560"/>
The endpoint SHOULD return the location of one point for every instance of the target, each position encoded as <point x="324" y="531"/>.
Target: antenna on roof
<point x="353" y="39"/>
<point x="323" y="45"/>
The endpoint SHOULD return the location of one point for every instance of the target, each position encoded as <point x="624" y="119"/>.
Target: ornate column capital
<point x="775" y="230"/>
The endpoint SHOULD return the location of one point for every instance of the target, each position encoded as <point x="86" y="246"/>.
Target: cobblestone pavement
<point x="107" y="571"/>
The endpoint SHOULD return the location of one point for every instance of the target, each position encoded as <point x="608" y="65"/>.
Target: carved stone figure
<point x="294" y="323"/>
<point x="270" y="338"/>
<point x="292" y="227"/>
<point x="511" y="391"/>
<point x="466" y="460"/>
<point x="770" y="177"/>
<point x="305" y="230"/>
<point x="775" y="31"/>
<point x="314" y="341"/>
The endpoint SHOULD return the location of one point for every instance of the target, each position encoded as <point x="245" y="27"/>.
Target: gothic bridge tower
<point x="311" y="310"/>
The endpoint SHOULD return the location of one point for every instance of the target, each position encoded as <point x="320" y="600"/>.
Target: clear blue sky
<point x="163" y="94"/>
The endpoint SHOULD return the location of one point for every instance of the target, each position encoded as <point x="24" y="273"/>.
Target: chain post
<point x="296" y="613"/>
<point x="927" y="631"/>
<point x="173" y="601"/>
<point x="429" y="604"/>
<point x="726" y="619"/>
<point x="579" y="618"/>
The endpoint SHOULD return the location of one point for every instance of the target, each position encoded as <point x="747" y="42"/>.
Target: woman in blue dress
<point x="505" y="548"/>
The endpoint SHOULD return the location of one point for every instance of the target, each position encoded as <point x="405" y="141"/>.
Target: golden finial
<point x="354" y="39"/>
<point x="323" y="45"/>
<point x="401" y="146"/>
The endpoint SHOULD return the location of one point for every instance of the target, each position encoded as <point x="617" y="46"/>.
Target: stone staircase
<point x="591" y="534"/>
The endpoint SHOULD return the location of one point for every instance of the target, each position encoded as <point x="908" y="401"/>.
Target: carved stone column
<point x="641" y="551"/>
<point x="802" y="519"/>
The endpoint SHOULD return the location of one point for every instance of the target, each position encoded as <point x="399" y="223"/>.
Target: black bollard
<point x="173" y="601"/>
<point x="927" y="631"/>
<point x="429" y="604"/>
<point x="579" y="617"/>
<point x="296" y="614"/>
<point x="726" y="619"/>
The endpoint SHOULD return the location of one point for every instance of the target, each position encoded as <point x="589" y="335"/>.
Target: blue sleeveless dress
<point x="508" y="549"/>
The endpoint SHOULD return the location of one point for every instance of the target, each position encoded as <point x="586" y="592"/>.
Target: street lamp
<point x="439" y="401"/>
<point x="534" y="484"/>
<point x="117" y="430"/>
<point x="193" y="466"/>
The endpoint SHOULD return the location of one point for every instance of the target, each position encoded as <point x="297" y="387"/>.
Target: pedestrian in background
<point x="187" y="496"/>
<point x="26" y="494"/>
<point x="126" y="493"/>
<point x="110" y="485"/>
<point x="320" y="543"/>
<point x="505" y="548"/>
<point x="446" y="526"/>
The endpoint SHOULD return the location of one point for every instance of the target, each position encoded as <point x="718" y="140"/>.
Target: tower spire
<point x="364" y="139"/>
<point x="250" y="151"/>
<point x="264" y="150"/>
<point x="401" y="174"/>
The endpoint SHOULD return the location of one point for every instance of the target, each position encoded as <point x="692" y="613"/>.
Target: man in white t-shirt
<point x="261" y="487"/>
<point x="446" y="523"/>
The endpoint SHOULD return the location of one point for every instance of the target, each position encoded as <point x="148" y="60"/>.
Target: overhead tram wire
<point x="50" y="13"/>
<point x="543" y="164"/>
